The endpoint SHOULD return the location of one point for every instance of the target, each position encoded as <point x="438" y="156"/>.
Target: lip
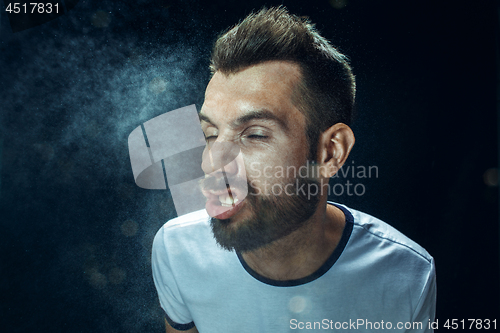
<point x="215" y="209"/>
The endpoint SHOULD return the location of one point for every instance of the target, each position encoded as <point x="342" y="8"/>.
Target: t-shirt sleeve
<point x="426" y="307"/>
<point x="176" y="312"/>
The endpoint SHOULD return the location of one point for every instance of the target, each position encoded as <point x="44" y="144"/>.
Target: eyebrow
<point x="249" y="116"/>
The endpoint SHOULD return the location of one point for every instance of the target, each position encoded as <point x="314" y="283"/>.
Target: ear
<point x="334" y="146"/>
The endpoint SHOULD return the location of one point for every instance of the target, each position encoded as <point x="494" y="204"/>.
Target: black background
<point x="76" y="231"/>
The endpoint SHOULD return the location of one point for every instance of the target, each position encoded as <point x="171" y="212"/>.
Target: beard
<point x="272" y="217"/>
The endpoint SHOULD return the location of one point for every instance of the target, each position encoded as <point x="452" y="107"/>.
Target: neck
<point x="302" y="252"/>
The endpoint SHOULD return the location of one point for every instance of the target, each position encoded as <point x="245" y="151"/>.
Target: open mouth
<point x="228" y="200"/>
<point x="225" y="195"/>
<point x="224" y="204"/>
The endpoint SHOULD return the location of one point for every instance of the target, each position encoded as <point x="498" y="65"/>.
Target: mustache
<point x="212" y="183"/>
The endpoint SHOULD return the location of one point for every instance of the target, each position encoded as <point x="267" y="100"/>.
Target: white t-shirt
<point x="376" y="279"/>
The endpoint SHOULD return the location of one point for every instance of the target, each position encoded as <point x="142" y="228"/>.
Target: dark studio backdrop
<point x="76" y="232"/>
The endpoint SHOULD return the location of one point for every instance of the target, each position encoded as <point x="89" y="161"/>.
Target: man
<point x="269" y="253"/>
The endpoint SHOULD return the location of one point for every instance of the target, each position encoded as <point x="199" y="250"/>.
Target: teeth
<point x="226" y="201"/>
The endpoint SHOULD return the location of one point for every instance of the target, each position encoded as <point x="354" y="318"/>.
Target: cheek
<point x="277" y="162"/>
<point x="272" y="169"/>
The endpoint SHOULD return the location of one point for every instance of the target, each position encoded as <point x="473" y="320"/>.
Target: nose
<point x="220" y="157"/>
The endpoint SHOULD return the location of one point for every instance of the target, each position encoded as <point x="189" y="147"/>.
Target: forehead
<point x="266" y="86"/>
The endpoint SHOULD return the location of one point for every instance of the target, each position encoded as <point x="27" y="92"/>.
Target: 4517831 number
<point x="478" y="324"/>
<point x="32" y="8"/>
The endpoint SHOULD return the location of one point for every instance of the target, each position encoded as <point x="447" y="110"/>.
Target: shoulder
<point x="403" y="271"/>
<point x="188" y="230"/>
<point x="374" y="244"/>
<point x="375" y="230"/>
<point x="389" y="258"/>
<point x="184" y="248"/>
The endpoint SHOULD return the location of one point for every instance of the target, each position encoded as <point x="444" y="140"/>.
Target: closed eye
<point x="257" y="136"/>
<point x="211" y="138"/>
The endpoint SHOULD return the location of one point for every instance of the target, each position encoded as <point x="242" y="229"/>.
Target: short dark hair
<point x="326" y="92"/>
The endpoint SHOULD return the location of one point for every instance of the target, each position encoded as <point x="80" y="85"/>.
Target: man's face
<point x="250" y="115"/>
